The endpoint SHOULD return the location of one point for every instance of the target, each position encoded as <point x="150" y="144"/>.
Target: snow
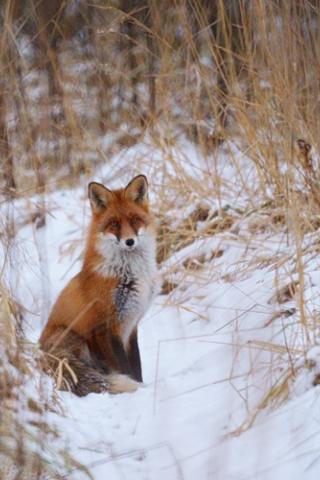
<point x="211" y="349"/>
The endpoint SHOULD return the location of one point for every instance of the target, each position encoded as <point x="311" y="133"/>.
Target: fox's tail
<point x="67" y="359"/>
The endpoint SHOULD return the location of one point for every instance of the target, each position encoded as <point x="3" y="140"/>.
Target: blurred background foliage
<point x="80" y="80"/>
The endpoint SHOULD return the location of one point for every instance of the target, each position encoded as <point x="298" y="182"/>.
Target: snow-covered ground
<point x="214" y="351"/>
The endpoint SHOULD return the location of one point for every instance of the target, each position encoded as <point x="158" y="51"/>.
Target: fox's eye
<point x="113" y="223"/>
<point x="135" y="220"/>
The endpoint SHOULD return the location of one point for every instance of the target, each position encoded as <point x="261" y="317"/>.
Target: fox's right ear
<point x="99" y="196"/>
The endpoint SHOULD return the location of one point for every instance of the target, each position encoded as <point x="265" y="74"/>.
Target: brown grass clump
<point x="25" y="431"/>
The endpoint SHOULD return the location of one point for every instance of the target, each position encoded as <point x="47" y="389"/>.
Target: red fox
<point x="92" y="328"/>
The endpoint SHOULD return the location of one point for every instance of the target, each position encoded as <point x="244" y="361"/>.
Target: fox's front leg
<point x="107" y="348"/>
<point x="121" y="356"/>
<point x="134" y="356"/>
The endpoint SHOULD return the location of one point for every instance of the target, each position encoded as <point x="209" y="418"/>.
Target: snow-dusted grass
<point x="228" y="365"/>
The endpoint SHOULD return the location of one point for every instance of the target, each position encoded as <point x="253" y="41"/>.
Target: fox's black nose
<point x="130" y="242"/>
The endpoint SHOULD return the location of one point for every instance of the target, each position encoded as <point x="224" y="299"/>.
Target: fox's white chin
<point x="125" y="248"/>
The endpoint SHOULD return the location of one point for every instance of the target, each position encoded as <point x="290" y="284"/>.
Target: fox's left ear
<point x="137" y="189"/>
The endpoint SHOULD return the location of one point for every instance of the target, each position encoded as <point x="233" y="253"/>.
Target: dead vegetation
<point x="201" y="223"/>
<point x="24" y="423"/>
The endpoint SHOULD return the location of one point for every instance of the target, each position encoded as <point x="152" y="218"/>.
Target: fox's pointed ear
<point x="99" y="196"/>
<point x="137" y="189"/>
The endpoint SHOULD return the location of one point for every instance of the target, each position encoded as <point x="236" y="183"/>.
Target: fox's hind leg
<point x="67" y="359"/>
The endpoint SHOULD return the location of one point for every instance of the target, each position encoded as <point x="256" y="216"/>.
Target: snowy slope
<point x="211" y="350"/>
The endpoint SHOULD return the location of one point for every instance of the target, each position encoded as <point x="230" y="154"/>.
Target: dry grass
<point x="26" y="432"/>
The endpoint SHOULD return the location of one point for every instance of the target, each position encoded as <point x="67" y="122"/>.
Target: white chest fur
<point x="137" y="274"/>
<point x="132" y="299"/>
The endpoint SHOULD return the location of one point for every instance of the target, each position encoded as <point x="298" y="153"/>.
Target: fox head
<point x="121" y="221"/>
